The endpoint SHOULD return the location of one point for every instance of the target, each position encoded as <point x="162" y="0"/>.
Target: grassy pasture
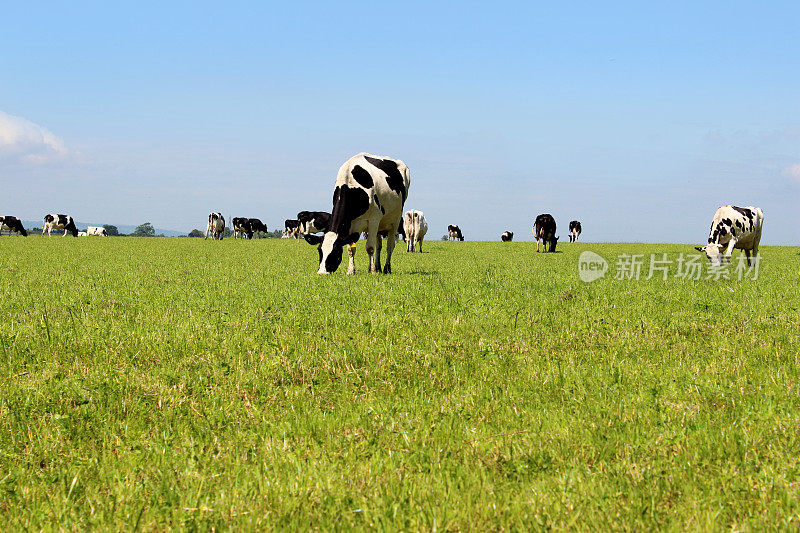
<point x="158" y="383"/>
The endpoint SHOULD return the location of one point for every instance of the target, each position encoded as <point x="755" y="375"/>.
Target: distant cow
<point x="216" y="226"/>
<point x="246" y="227"/>
<point x="574" y="231"/>
<point x="454" y="232"/>
<point x="98" y="231"/>
<point x="736" y="227"/>
<point x="369" y="195"/>
<point x="507" y="236"/>
<point x="12" y="224"/>
<point x="291" y="228"/>
<point x="54" y="221"/>
<point x="415" y="227"/>
<point x="82" y="234"/>
<point x="313" y="222"/>
<point x="545" y="229"/>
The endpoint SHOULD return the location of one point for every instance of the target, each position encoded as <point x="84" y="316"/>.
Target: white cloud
<point x="22" y="140"/>
<point x="792" y="172"/>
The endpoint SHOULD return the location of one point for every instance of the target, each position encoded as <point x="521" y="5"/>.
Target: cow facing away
<point x="545" y="229"/>
<point x="313" y="222"/>
<point x="574" y="231"/>
<point x="415" y="227"/>
<point x="507" y="236"/>
<point x="291" y="228"/>
<point x="96" y="231"/>
<point x="216" y="226"/>
<point x="57" y="221"/>
<point x="246" y="227"/>
<point x="12" y="224"/>
<point x="733" y="227"/>
<point x="369" y="195"/>
<point x="454" y="233"/>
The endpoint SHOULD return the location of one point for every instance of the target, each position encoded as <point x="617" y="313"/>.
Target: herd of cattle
<point x="368" y="198"/>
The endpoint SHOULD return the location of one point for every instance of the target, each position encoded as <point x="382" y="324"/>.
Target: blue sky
<point x="637" y="119"/>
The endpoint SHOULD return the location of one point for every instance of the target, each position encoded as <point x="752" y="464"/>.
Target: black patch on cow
<point x="378" y="203"/>
<point x="349" y="203"/>
<point x="62" y="220"/>
<point x="744" y="211"/>
<point x="362" y="177"/>
<point x="291" y="224"/>
<point x="393" y="177"/>
<point x="48" y="219"/>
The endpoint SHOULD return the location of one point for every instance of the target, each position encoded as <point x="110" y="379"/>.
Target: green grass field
<point x="159" y="383"/>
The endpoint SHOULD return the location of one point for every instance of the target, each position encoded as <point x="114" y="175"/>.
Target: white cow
<point x="98" y="231"/>
<point x="216" y="226"/>
<point x="734" y="227"/>
<point x="368" y="195"/>
<point x="82" y="234"/>
<point x="415" y="227"/>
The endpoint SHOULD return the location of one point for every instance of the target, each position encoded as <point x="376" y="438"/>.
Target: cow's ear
<point x="313" y="239"/>
<point x="698" y="249"/>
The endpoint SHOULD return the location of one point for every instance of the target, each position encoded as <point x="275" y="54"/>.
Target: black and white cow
<point x="216" y="226"/>
<point x="415" y="227"/>
<point x="545" y="229"/>
<point x="56" y="221"/>
<point x="734" y="227"/>
<point x="10" y="223"/>
<point x="574" y="231"/>
<point x="291" y="228"/>
<point x="96" y="231"/>
<point x="369" y="195"/>
<point x="454" y="233"/>
<point x="313" y="222"/>
<point x="246" y="227"/>
<point x="507" y="236"/>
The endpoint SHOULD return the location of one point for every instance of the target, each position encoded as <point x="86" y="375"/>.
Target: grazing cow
<point x="736" y="227"/>
<point x="545" y="228"/>
<point x="82" y="234"/>
<point x="313" y="222"/>
<point x="246" y="227"/>
<point x="291" y="229"/>
<point x="453" y="233"/>
<point x="54" y="221"/>
<point x="98" y="231"/>
<point x="507" y="236"/>
<point x="216" y="226"/>
<point x="12" y="224"/>
<point x="369" y="195"/>
<point x="415" y="227"/>
<point x="574" y="231"/>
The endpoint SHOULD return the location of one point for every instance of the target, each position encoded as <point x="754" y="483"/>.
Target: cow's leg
<point x="351" y="258"/>
<point x="391" y="240"/>
<point x="372" y="235"/>
<point x="378" y="248"/>
<point x="65" y="232"/>
<point x="420" y="246"/>
<point x="747" y="255"/>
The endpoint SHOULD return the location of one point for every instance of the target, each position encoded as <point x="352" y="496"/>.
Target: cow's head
<point x="553" y="243"/>
<point x="713" y="252"/>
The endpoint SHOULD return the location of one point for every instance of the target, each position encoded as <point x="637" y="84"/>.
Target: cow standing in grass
<point x="545" y="229"/>
<point x="96" y="231"/>
<point x="369" y="195"/>
<point x="57" y="221"/>
<point x="574" y="231"/>
<point x="454" y="233"/>
<point x="415" y="227"/>
<point x="734" y="227"/>
<point x="507" y="236"/>
<point x="216" y="226"/>
<point x="291" y="229"/>
<point x="246" y="227"/>
<point x="10" y="224"/>
<point x="313" y="222"/>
